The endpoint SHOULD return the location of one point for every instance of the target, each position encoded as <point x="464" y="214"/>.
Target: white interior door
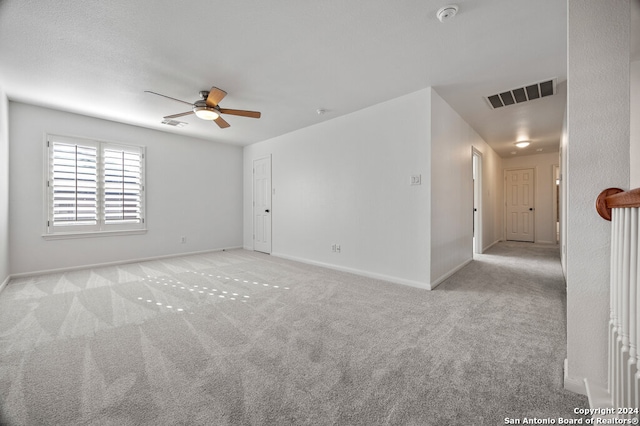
<point x="519" y="191"/>
<point x="262" y="205"/>
<point x="477" y="200"/>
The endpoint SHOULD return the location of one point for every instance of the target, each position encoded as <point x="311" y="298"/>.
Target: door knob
<point x="266" y="211"/>
<point x="530" y="209"/>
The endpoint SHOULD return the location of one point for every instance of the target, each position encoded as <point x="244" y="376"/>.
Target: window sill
<point x="69" y="235"/>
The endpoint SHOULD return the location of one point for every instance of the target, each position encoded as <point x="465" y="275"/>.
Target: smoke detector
<point x="447" y="12"/>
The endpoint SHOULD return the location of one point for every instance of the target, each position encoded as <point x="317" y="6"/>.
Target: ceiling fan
<point x="207" y="107"/>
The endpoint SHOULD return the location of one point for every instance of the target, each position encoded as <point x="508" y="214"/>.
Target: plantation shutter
<point x="93" y="187"/>
<point x="73" y="184"/>
<point x="122" y="185"/>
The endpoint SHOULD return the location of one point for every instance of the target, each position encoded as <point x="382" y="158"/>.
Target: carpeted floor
<point x="242" y="338"/>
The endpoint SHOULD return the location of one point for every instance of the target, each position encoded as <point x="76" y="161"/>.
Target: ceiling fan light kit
<point x="207" y="107"/>
<point x="206" y="113"/>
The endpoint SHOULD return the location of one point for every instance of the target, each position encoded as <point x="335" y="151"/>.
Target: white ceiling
<point x="286" y="58"/>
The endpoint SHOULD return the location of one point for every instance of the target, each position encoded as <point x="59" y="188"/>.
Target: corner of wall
<point x="571" y="383"/>
<point x="634" y="113"/>
<point x="597" y="69"/>
<point x="4" y="189"/>
<point x="326" y="174"/>
<point x="452" y="138"/>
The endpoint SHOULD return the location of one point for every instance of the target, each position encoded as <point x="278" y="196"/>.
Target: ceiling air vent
<point x="174" y="123"/>
<point x="522" y="94"/>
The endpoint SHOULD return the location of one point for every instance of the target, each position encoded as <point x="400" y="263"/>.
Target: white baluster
<point x="633" y="311"/>
<point x="618" y="287"/>
<point x="636" y="322"/>
<point x="612" y="317"/>
<point x="623" y="296"/>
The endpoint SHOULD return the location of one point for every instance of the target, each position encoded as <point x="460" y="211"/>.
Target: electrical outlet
<point x="333" y="248"/>
<point x="183" y="239"/>
<point x="338" y="248"/>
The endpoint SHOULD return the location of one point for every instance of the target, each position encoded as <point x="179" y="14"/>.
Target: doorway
<point x="520" y="208"/>
<point x="476" y="157"/>
<point x="262" y="205"/>
<point x="556" y="201"/>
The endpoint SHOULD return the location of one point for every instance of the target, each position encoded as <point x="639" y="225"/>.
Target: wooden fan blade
<point x="215" y="96"/>
<point x="168" y="97"/>
<point x="178" y="115"/>
<point x="221" y="123"/>
<point x="240" y="112"/>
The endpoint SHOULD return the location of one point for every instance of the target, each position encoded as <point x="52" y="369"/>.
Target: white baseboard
<point x="573" y="384"/>
<point x="118" y="262"/>
<point x="5" y="282"/>
<point x="599" y="397"/>
<point x="368" y="274"/>
<point x="491" y="245"/>
<point x="546" y="242"/>
<point x="440" y="280"/>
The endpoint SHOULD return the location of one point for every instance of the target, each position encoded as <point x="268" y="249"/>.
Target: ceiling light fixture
<point x="523" y="144"/>
<point x="206" y="113"/>
<point x="447" y="12"/>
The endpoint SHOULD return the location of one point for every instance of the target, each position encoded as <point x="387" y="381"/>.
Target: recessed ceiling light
<point x="523" y="144"/>
<point x="539" y="149"/>
<point x="513" y="152"/>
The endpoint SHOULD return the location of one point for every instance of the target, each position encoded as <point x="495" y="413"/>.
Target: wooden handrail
<point x="612" y="198"/>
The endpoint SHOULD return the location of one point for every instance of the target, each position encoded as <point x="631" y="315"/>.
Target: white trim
<point x="598" y="396"/>
<point x="5" y="282"/>
<point x="360" y="272"/>
<point x="491" y="245"/>
<point x="101" y="225"/>
<point x="440" y="280"/>
<point x="477" y="217"/>
<point x="555" y="202"/>
<point x="117" y="262"/>
<point x="573" y="384"/>
<point x="253" y="201"/>
<point x="66" y="235"/>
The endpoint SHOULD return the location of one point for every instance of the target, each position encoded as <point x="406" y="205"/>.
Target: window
<point x="93" y="187"/>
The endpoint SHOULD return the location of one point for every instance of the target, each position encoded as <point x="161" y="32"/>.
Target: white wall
<point x="597" y="158"/>
<point x="452" y="140"/>
<point x="634" y="85"/>
<point x="4" y="188"/>
<point x="346" y="181"/>
<point x="193" y="189"/>
<point x="545" y="223"/>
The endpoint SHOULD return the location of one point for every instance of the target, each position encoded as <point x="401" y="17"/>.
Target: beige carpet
<point x="241" y="338"/>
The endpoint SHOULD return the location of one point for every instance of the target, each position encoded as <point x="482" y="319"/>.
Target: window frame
<point x="101" y="228"/>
